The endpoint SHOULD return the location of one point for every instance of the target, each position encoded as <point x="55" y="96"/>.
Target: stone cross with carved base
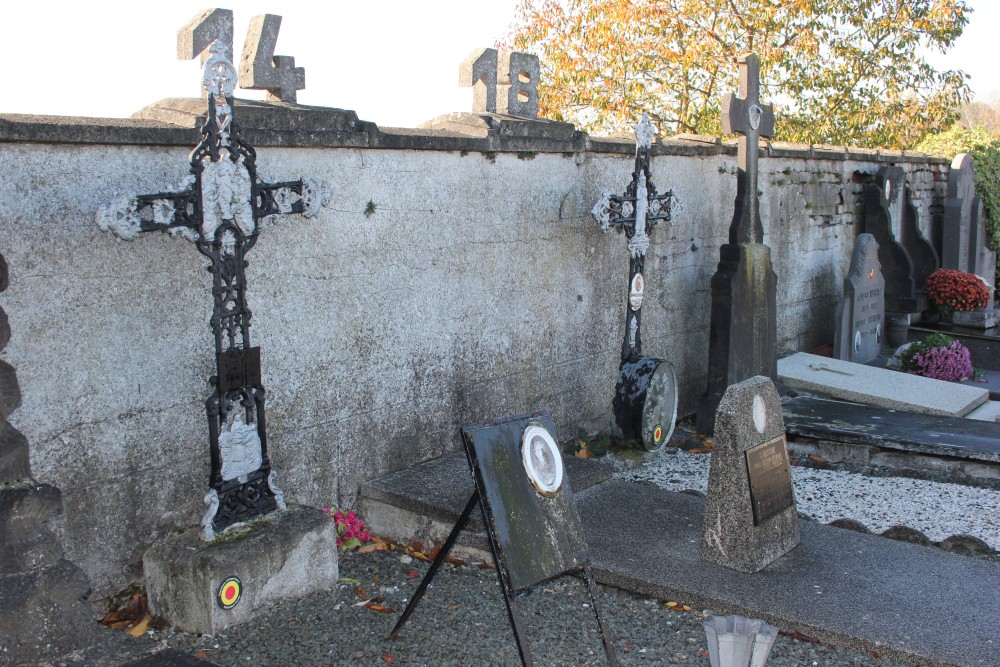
<point x="752" y="120"/>
<point x="222" y="207"/>
<point x="637" y="213"/>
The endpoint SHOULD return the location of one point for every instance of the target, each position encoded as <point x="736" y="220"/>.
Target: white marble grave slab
<point x="880" y="387"/>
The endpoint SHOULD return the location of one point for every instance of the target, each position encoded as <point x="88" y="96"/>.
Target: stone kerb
<point x="750" y="520"/>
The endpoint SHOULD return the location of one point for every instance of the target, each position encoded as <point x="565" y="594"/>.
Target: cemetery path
<point x="462" y="622"/>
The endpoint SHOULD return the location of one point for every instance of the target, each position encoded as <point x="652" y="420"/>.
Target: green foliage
<point x="984" y="147"/>
<point x="838" y="71"/>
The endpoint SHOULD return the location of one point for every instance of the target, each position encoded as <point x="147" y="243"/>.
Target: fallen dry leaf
<point x="388" y="659"/>
<point x="382" y="609"/>
<point x="140" y="628"/>
<point x="700" y="450"/>
<point x="799" y="636"/>
<point x="677" y="606"/>
<point x="201" y="655"/>
<point x="453" y="607"/>
<point x="374" y="546"/>
<point x="411" y="573"/>
<point x="817" y="458"/>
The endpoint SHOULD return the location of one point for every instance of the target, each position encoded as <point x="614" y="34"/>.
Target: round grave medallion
<point x="541" y="460"/>
<point x="878" y="334"/>
<point x="229" y="592"/>
<point x="636" y="290"/>
<point x="857" y="341"/>
<point x="659" y="410"/>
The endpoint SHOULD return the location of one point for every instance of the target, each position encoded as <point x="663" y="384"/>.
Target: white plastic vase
<point x="736" y="641"/>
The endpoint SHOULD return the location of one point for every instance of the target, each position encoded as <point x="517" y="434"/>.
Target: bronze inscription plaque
<point x="770" y="479"/>
<point x="239" y="368"/>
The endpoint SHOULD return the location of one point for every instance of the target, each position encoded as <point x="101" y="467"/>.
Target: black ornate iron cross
<point x="752" y="120"/>
<point x="222" y="206"/>
<point x="645" y="401"/>
<point x="637" y="213"/>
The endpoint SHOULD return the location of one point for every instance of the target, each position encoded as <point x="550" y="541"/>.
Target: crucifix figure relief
<point x="645" y="403"/>
<point x="222" y="206"/>
<point x="752" y="120"/>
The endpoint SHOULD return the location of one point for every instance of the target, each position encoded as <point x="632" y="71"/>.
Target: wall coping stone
<point x="176" y="122"/>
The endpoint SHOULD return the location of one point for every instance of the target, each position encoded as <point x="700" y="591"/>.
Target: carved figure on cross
<point x="636" y="213"/>
<point x="222" y="206"/>
<point x="746" y="116"/>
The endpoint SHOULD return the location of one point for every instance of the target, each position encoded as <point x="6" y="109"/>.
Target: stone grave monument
<point x="42" y="613"/>
<point x="907" y="258"/>
<point x="645" y="402"/>
<point x="196" y="581"/>
<point x="965" y="243"/>
<point x="743" y="333"/>
<point x="860" y="319"/>
<point x="505" y="102"/>
<point x="750" y="517"/>
<point x="530" y="517"/>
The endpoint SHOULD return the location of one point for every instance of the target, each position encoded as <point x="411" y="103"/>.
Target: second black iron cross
<point x="645" y="402"/>
<point x="222" y="206"/>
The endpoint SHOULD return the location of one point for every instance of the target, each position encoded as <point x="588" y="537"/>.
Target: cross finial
<point x="750" y="119"/>
<point x="644" y="133"/>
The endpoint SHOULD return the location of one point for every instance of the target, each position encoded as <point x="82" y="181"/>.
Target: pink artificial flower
<point x="364" y="536"/>
<point x="347" y="534"/>
<point x="327" y="511"/>
<point x="340" y="542"/>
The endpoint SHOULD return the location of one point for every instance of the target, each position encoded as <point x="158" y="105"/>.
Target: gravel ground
<point x="462" y="621"/>
<point x="937" y="509"/>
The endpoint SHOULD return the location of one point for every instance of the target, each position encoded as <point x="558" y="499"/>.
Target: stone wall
<point x="453" y="278"/>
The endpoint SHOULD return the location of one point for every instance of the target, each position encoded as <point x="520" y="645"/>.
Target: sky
<point x="395" y="62"/>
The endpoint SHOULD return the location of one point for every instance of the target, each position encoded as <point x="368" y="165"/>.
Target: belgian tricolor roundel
<point x="229" y="592"/>
<point x="657" y="434"/>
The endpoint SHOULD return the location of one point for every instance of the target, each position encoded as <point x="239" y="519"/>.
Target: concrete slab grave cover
<point x="743" y="331"/>
<point x="860" y="317"/>
<point x="879" y="387"/>
<point x="750" y="518"/>
<point x="645" y="402"/>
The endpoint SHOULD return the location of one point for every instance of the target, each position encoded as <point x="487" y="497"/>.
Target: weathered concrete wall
<point x="480" y="286"/>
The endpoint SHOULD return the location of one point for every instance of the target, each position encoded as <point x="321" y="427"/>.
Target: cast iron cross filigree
<point x="222" y="206"/>
<point x="752" y="120"/>
<point x="637" y="213"/>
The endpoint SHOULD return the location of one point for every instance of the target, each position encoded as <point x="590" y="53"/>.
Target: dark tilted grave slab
<point x="743" y="331"/>
<point x="645" y="402"/>
<point x="853" y="424"/>
<point x="529" y="512"/>
<point x="860" y="316"/>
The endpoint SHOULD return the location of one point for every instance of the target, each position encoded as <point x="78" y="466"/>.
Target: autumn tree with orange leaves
<point x="839" y="71"/>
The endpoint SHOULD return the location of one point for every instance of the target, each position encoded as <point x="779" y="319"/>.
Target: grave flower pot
<point x="736" y="641"/>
